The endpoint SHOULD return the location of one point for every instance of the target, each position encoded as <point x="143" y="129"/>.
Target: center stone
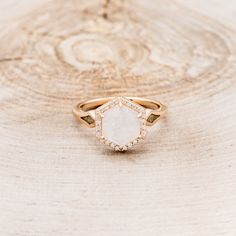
<point x="121" y="125"/>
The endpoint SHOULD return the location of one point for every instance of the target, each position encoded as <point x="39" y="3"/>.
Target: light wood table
<point x="55" y="179"/>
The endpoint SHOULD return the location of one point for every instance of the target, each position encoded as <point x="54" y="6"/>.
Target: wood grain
<point x="55" y="179"/>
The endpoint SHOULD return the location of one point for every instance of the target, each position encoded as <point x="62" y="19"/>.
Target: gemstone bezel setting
<point x="120" y="101"/>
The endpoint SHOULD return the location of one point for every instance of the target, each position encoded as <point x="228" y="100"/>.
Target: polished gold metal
<point x="85" y="111"/>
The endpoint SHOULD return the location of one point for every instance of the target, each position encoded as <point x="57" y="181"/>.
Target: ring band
<point x="120" y="121"/>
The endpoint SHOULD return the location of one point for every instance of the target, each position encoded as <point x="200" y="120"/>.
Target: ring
<point x="121" y="122"/>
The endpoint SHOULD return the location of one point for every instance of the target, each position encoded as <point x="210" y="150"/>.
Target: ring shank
<point x="86" y="109"/>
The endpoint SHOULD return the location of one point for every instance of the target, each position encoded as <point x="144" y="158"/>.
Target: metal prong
<point x="102" y="139"/>
<point x="120" y="103"/>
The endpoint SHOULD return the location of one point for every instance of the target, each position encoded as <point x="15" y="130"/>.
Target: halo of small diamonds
<point x="120" y="101"/>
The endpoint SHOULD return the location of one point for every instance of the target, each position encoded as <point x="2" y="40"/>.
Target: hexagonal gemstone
<point x="121" y="125"/>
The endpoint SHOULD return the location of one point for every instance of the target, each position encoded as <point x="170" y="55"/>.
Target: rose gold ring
<point x="120" y="122"/>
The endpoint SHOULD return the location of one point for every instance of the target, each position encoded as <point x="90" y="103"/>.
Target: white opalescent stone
<point x="121" y="125"/>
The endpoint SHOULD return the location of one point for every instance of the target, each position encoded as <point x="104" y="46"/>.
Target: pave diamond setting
<point x="120" y="123"/>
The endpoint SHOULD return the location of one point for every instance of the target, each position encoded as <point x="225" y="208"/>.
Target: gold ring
<point x="120" y="122"/>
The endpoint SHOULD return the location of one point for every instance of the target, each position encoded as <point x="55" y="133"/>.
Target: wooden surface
<point x="55" y="179"/>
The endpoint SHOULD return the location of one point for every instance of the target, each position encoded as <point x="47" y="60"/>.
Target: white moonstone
<point x="120" y="125"/>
